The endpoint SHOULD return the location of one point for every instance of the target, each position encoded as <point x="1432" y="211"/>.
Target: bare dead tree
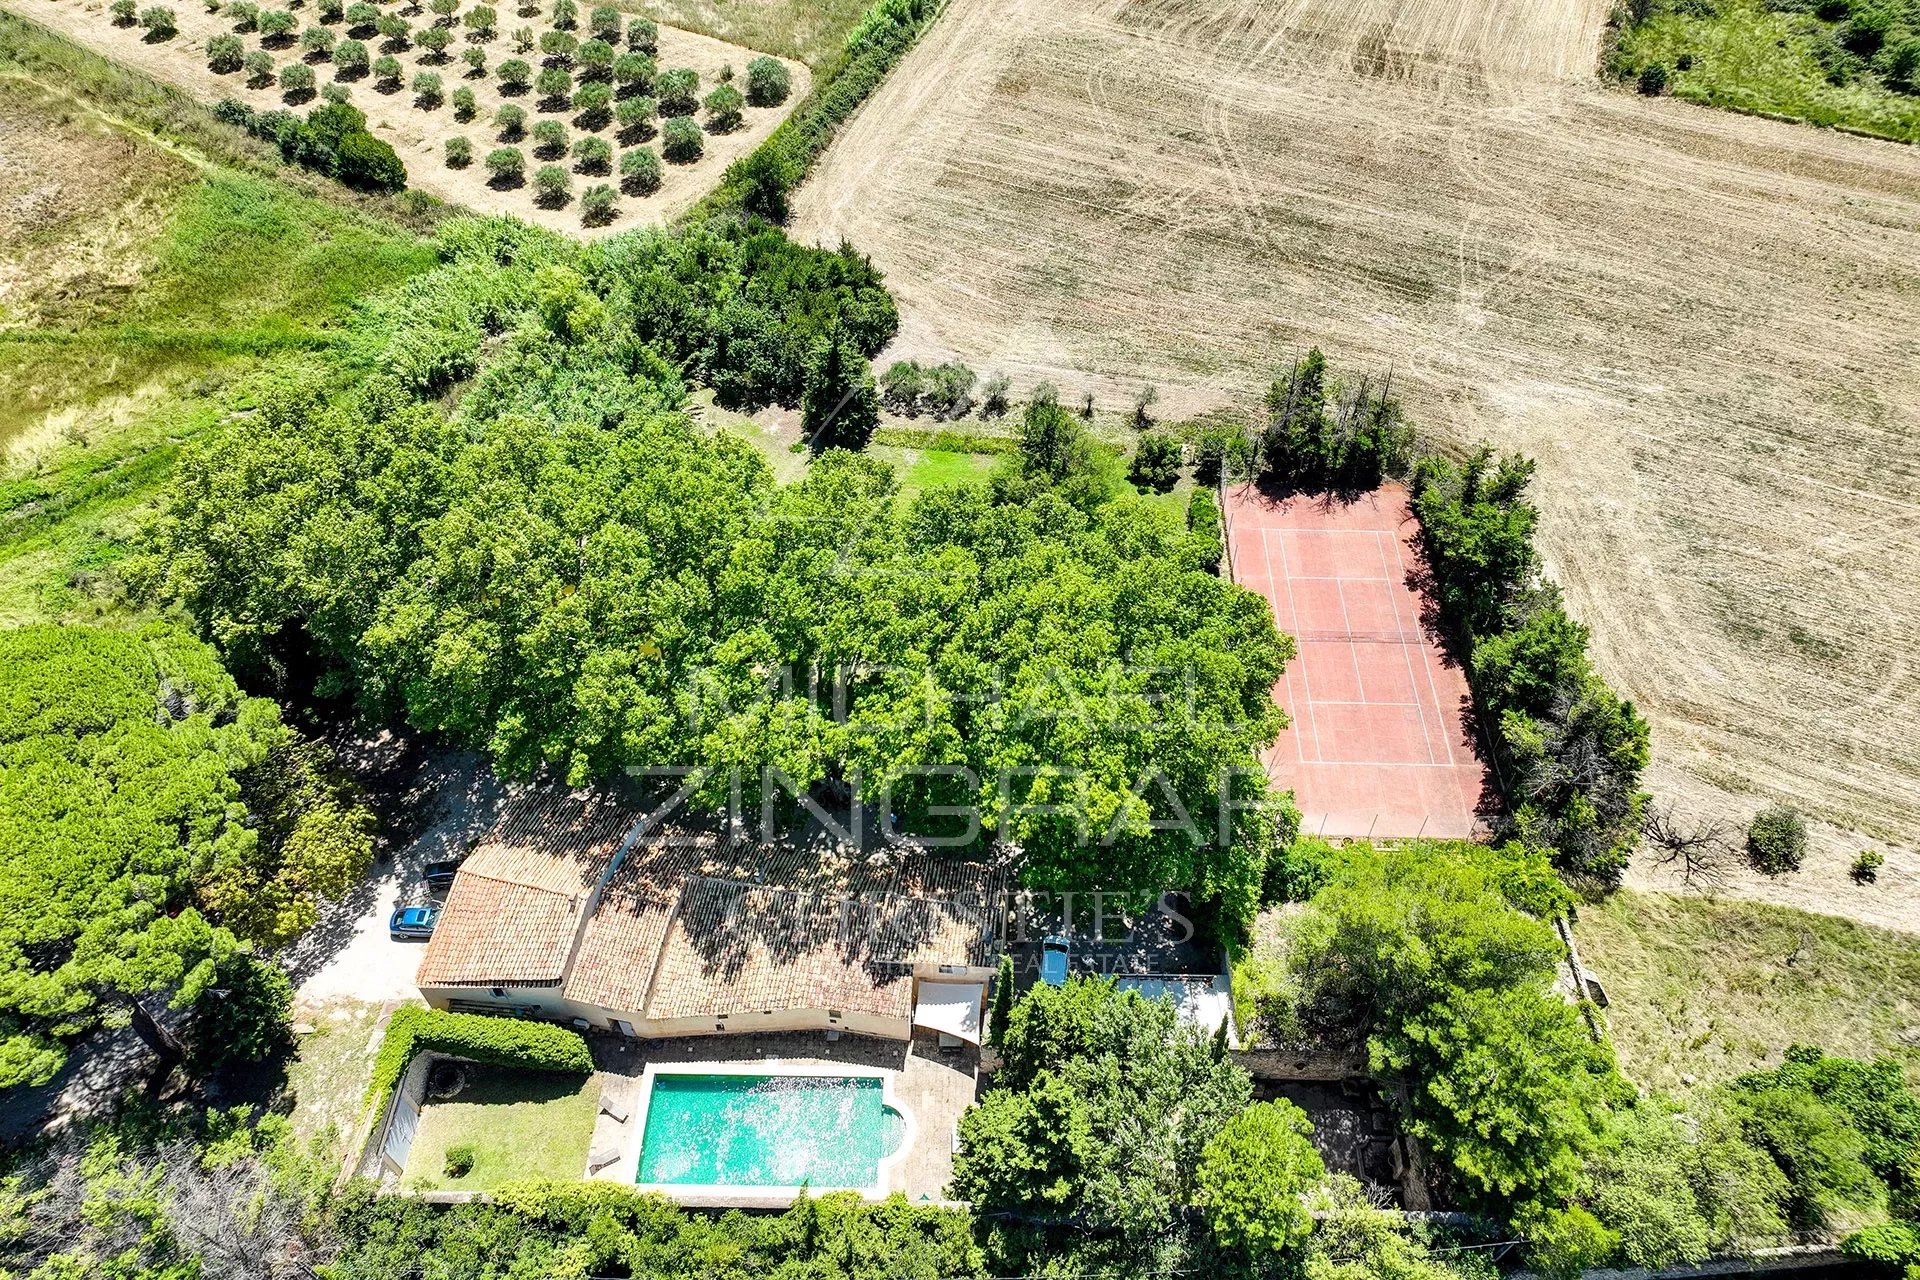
<point x="1703" y="854"/>
<point x="241" y="1219"/>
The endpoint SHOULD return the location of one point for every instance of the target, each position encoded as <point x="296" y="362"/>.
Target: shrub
<point x="1777" y="840"/>
<point x="247" y="1021"/>
<point x="634" y="71"/>
<point x="386" y="70"/>
<point x="639" y="172"/>
<point x="552" y="184"/>
<point x="559" y="47"/>
<point x="1866" y="30"/>
<point x="296" y="81"/>
<point x="677" y="91"/>
<point x="367" y="163"/>
<point x="435" y="41"/>
<point x="1903" y="65"/>
<point x="507" y="165"/>
<point x="1653" y="79"/>
<point x="122" y="12"/>
<point x="554" y="85"/>
<point x="225" y="54"/>
<point x="592" y="155"/>
<point x="1252" y="1178"/>
<point x="476" y="59"/>
<point x="597" y="205"/>
<point x="512" y="121"/>
<point x="334" y="91"/>
<point x="259" y="66"/>
<point x="1889" y="1245"/>
<point x="514" y="75"/>
<point x="993" y="395"/>
<point x="767" y="82"/>
<point x="1203" y="522"/>
<point x="465" y="107"/>
<point x="427" y="90"/>
<point x="460" y="1158"/>
<point x="317" y="40"/>
<point x="565" y="14"/>
<point x="499" y="1042"/>
<point x="350" y="58"/>
<point x="159" y="22"/>
<point x="459" y="153"/>
<point x="549" y="139"/>
<point x="681" y="140"/>
<point x="1866" y="866"/>
<point x="901" y="385"/>
<point x="635" y="118"/>
<point x="482" y="21"/>
<point x="523" y="41"/>
<point x="643" y="36"/>
<point x="276" y="24"/>
<point x="604" y="22"/>
<point x="594" y="102"/>
<point x="595" y="59"/>
<point x="1156" y="463"/>
<point x="724" y="106"/>
<point x="362" y="16"/>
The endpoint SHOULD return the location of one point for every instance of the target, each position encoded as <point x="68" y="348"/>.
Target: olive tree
<point x="122" y="13"/>
<point x="459" y="153"/>
<point x="565" y="15"/>
<point x="159" y="22"/>
<point x="244" y="14"/>
<point x="592" y="155"/>
<point x="604" y="22"/>
<point x="435" y="41"/>
<point x="514" y="75"/>
<point x="552" y="185"/>
<point x="317" y="40"/>
<point x="677" y="91"/>
<point x="507" y="165"/>
<point x="1777" y="840"/>
<point x="512" y="121"/>
<point x="597" y="205"/>
<point x="225" y="53"/>
<point x="594" y="105"/>
<point x="362" y="17"/>
<point x="555" y="87"/>
<point x="643" y="36"/>
<point x="481" y="21"/>
<point x="767" y="82"/>
<point x="549" y="139"/>
<point x="386" y="70"/>
<point x="635" y="118"/>
<point x="634" y="72"/>
<point x="724" y="106"/>
<point x="350" y="58"/>
<point x="639" y="172"/>
<point x="259" y="68"/>
<point x="276" y="26"/>
<point x="476" y="59"/>
<point x="296" y="82"/>
<point x="428" y="92"/>
<point x="465" y="107"/>
<point x="681" y="140"/>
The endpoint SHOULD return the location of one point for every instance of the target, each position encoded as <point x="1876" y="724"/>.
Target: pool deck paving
<point x="935" y="1085"/>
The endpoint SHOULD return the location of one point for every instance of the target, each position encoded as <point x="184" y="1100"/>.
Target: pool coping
<point x="627" y="1168"/>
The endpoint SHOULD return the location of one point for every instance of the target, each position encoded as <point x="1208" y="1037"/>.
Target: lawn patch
<point x="1709" y="989"/>
<point x="519" y="1124"/>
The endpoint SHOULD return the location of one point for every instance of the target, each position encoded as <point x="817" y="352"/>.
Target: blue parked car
<point x="1053" y="960"/>
<point x="413" y="922"/>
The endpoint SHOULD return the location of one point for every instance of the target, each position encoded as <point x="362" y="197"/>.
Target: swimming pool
<point x="717" y="1128"/>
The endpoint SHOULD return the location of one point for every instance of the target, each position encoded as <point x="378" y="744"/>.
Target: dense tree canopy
<point x="568" y="572"/>
<point x="1098" y="1118"/>
<point x="1427" y="950"/>
<point x="126" y="764"/>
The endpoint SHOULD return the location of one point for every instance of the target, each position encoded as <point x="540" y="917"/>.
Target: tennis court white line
<point x="1426" y="659"/>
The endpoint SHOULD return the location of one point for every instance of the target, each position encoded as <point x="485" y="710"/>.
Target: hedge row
<point x="944" y="441"/>
<point x="504" y="1042"/>
<point x="760" y="181"/>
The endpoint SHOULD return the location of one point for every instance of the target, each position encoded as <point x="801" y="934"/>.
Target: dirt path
<point x="1705" y="326"/>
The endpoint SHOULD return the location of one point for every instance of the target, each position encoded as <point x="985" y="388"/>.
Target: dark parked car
<point x="413" y="922"/>
<point x="440" y="875"/>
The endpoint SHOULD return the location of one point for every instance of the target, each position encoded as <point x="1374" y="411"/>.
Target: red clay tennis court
<point x="1379" y="744"/>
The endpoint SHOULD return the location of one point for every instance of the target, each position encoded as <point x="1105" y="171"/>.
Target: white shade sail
<point x="952" y="1007"/>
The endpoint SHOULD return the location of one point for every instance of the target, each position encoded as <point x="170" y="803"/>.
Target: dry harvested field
<point x="419" y="134"/>
<point x="1705" y="326"/>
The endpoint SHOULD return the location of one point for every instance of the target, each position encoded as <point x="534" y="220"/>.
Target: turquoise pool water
<point x="767" y="1131"/>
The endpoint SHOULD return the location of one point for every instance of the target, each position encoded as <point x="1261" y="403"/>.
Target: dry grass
<point x="1705" y="326"/>
<point x="811" y="31"/>
<point x="419" y="134"/>
<point x="1711" y="989"/>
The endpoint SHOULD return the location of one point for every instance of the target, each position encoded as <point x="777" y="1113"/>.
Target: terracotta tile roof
<point x="742" y="948"/>
<point x="514" y="910"/>
<point x="691" y="925"/>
